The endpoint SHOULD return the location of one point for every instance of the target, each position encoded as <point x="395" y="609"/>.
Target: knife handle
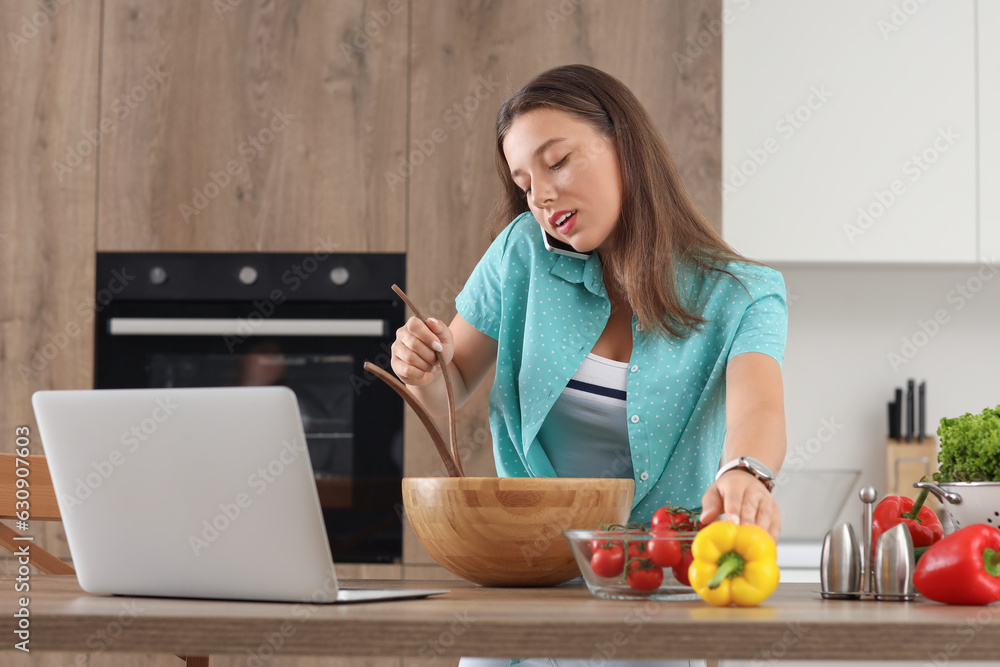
<point x="899" y="414"/>
<point x="894" y="430"/>
<point x="921" y="411"/>
<point x="909" y="410"/>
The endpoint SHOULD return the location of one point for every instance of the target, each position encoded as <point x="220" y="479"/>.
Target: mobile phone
<point x="561" y="248"/>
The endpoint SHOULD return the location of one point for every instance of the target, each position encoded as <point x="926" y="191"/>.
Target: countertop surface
<point x="562" y="621"/>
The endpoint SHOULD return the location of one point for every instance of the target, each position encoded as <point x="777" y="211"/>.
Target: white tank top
<point x="586" y="433"/>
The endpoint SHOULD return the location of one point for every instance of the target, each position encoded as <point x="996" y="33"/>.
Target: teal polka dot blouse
<point x="547" y="311"/>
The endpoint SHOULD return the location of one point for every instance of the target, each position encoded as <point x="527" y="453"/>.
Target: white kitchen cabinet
<point x="989" y="130"/>
<point x="849" y="130"/>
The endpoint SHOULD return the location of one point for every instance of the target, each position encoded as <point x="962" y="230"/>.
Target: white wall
<point x="846" y="321"/>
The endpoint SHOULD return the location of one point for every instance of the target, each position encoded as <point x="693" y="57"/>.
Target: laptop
<point x="191" y="493"/>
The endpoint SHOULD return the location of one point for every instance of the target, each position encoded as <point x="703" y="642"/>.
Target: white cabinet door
<point x="849" y="130"/>
<point x="989" y="131"/>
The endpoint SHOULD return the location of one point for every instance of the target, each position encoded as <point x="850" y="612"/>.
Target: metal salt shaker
<point x="840" y="568"/>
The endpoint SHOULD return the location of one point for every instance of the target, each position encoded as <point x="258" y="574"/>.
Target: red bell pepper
<point x="963" y="568"/>
<point x="924" y="526"/>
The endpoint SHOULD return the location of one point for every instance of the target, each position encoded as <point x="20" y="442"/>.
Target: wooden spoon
<point x="452" y="461"/>
<point x="450" y="464"/>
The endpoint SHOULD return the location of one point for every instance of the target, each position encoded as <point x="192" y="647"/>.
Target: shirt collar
<point x="586" y="271"/>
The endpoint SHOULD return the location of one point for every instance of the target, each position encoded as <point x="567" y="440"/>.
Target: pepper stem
<point x="991" y="561"/>
<point x="914" y="512"/>
<point x="730" y="565"/>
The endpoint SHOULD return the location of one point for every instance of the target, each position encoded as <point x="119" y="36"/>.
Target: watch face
<point x="759" y="468"/>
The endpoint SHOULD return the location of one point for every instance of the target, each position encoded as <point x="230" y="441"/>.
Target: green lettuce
<point x="970" y="448"/>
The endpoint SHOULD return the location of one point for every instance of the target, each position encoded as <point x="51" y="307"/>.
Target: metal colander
<point x="968" y="503"/>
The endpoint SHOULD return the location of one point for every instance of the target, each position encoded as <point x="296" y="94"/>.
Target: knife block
<point x="908" y="462"/>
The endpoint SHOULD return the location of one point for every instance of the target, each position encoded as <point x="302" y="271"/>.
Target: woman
<point x="630" y="340"/>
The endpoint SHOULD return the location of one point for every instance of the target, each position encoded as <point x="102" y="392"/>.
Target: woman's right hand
<point x="413" y="358"/>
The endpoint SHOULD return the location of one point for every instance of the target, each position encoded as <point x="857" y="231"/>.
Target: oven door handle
<point x="193" y="326"/>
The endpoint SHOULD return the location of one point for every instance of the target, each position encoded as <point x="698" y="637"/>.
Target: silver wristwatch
<point x="752" y="466"/>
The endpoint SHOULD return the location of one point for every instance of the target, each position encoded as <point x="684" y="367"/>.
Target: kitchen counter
<point x="562" y="621"/>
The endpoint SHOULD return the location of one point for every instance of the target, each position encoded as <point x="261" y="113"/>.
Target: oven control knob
<point x="248" y="275"/>
<point x="339" y="276"/>
<point x="157" y="275"/>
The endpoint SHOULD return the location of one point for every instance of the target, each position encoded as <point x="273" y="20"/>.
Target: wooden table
<point x="563" y="621"/>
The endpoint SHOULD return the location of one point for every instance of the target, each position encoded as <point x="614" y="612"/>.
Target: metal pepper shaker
<point x="894" y="565"/>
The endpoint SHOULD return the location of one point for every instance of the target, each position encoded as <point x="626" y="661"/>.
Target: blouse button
<point x="635" y="368"/>
<point x="638" y="327"/>
<point x="644" y="476"/>
<point x="635" y="419"/>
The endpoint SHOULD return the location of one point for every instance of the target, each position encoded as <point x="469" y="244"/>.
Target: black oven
<point x="306" y="321"/>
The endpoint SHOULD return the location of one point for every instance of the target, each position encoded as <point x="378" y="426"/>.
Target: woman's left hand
<point x="744" y="500"/>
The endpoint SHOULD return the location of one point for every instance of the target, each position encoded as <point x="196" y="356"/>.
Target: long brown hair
<point x="659" y="226"/>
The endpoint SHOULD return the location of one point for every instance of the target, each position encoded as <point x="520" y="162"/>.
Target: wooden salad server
<point x="452" y="462"/>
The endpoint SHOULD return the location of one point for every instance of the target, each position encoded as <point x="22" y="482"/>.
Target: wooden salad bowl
<point x="500" y="531"/>
<point x="507" y="531"/>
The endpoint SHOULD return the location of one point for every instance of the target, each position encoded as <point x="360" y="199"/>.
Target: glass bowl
<point x="617" y="587"/>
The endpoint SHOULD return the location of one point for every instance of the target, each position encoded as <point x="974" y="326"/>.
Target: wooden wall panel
<point x="460" y="49"/>
<point x="374" y="125"/>
<point x="48" y="84"/>
<point x="190" y="88"/>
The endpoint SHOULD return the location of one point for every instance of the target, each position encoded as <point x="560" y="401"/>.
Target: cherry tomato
<point x="681" y="569"/>
<point x="607" y="561"/>
<point x="596" y="544"/>
<point x="644" y="575"/>
<point x="637" y="549"/>
<point x="665" y="552"/>
<point x="673" y="518"/>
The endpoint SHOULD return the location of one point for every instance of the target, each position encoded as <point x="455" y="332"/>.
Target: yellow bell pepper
<point x="733" y="564"/>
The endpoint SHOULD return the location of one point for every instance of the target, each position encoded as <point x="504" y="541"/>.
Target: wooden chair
<point x="43" y="507"/>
